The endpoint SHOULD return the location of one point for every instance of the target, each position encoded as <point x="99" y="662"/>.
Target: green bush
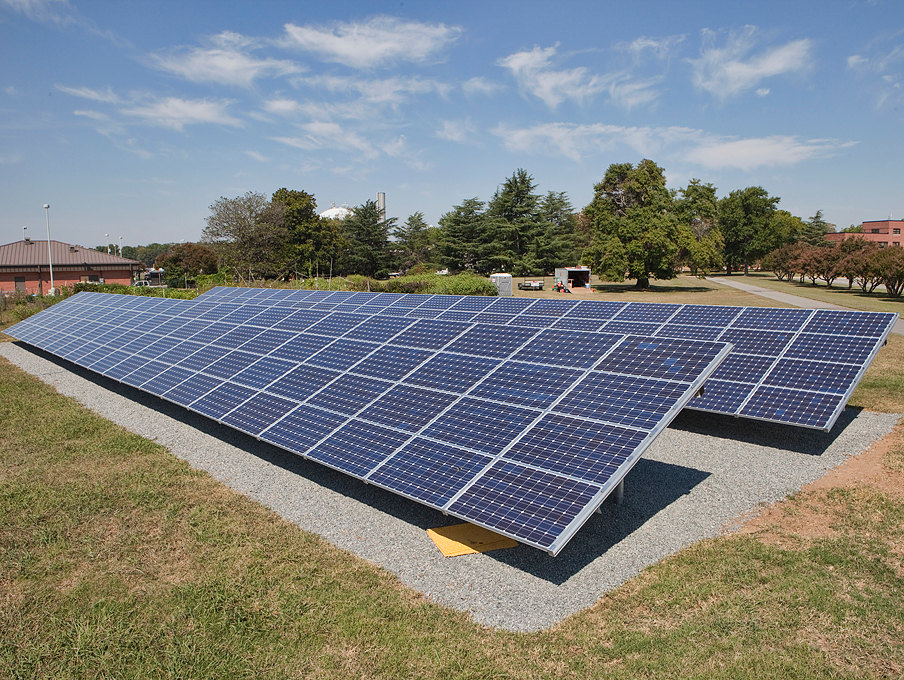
<point x="428" y="284"/>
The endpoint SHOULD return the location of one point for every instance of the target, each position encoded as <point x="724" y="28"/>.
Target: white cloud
<point x="880" y="69"/>
<point x="661" y="48"/>
<point x="479" y="86"/>
<point x="776" y="150"/>
<point x="392" y="91"/>
<point x="762" y="92"/>
<point x="106" y="97"/>
<point x="856" y="61"/>
<point x="259" y="157"/>
<point x="376" y="42"/>
<point x="456" y="130"/>
<point x="43" y="11"/>
<point x="327" y="135"/>
<point x="10" y="90"/>
<point x="176" y="113"/>
<point x="282" y="107"/>
<point x="533" y="72"/>
<point x="734" y="67"/>
<point x="578" y="142"/>
<point x="629" y="94"/>
<point x="226" y="60"/>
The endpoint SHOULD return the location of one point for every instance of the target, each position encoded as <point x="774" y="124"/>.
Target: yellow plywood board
<point x="467" y="539"/>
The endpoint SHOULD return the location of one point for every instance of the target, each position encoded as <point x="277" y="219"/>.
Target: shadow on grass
<point x="620" y="288"/>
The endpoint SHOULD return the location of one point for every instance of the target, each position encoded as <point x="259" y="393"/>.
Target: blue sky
<point x="131" y="118"/>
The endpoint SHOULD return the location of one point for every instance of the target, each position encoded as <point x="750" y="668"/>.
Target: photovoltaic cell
<point x="523" y="425"/>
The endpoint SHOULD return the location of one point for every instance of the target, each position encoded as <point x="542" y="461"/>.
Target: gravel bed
<point x="694" y="482"/>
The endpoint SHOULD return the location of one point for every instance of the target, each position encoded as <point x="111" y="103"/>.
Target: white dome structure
<point x="336" y="212"/>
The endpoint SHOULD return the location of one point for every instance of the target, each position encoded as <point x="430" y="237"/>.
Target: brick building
<point x="883" y="232"/>
<point x="24" y="266"/>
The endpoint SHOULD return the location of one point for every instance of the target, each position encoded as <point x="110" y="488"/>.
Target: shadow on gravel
<point x="787" y="437"/>
<point x="650" y="487"/>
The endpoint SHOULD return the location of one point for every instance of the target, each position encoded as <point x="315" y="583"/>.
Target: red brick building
<point x="883" y="232"/>
<point x="24" y="266"/>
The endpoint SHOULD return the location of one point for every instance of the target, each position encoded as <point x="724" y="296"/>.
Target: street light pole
<point x="24" y="233"/>
<point x="107" y="236"/>
<point x="120" y="246"/>
<point x="49" y="257"/>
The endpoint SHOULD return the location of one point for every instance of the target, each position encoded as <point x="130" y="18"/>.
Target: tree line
<point x="861" y="262"/>
<point x="633" y="228"/>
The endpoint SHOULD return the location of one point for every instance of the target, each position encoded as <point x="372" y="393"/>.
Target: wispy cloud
<point x="456" y="130"/>
<point x="57" y="12"/>
<point x="176" y="113"/>
<point x="394" y="91"/>
<point x="757" y="152"/>
<point x="259" y="157"/>
<point x="377" y="42"/>
<point x="578" y="142"/>
<point x="106" y="96"/>
<point x="225" y="60"/>
<point x="737" y="66"/>
<point x="479" y="86"/>
<point x="660" y="48"/>
<point x="536" y="77"/>
<point x="881" y="67"/>
<point x="327" y="135"/>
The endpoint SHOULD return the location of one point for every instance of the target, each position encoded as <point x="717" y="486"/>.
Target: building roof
<point x="31" y="253"/>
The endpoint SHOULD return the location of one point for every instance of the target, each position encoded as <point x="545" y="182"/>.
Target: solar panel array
<point x="523" y="430"/>
<point x="790" y="366"/>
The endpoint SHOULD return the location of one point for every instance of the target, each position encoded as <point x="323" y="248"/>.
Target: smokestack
<point x="381" y="205"/>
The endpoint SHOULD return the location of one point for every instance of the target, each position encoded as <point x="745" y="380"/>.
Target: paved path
<point x="789" y="298"/>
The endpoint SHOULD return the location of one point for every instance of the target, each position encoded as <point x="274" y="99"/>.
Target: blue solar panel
<point x="523" y="428"/>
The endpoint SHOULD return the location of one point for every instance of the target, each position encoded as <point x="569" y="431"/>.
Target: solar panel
<point x="482" y="422"/>
<point x="838" y="345"/>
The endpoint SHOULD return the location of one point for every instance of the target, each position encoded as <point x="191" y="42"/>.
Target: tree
<point x="415" y="242"/>
<point x="889" y="263"/>
<point x="699" y="238"/>
<point x="366" y="242"/>
<point x="558" y="244"/>
<point x="184" y="261"/>
<point x="312" y="240"/>
<point x="745" y="217"/>
<point x="514" y="221"/>
<point x="815" y="230"/>
<point x="635" y="227"/>
<point x="464" y="237"/>
<point x="249" y="234"/>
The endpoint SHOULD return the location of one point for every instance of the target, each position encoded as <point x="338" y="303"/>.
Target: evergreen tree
<point x="414" y="242"/>
<point x="366" y="242"/>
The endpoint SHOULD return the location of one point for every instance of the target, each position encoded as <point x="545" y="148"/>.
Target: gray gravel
<point x="697" y="479"/>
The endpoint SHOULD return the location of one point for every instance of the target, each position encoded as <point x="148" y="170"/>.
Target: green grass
<point x="838" y="294"/>
<point x="118" y="560"/>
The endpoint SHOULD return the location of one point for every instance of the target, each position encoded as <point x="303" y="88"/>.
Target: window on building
<point x="896" y="230"/>
<point x="20" y="284"/>
<point x="873" y="231"/>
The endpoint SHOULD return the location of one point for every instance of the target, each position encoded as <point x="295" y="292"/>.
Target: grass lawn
<point x="838" y="294"/>
<point x="118" y="560"/>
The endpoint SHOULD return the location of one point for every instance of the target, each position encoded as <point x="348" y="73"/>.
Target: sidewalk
<point x="789" y="298"/>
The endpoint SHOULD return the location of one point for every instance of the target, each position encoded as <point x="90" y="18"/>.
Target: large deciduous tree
<point x="184" y="261"/>
<point x="745" y="218"/>
<point x="635" y="228"/>
<point x="249" y="235"/>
